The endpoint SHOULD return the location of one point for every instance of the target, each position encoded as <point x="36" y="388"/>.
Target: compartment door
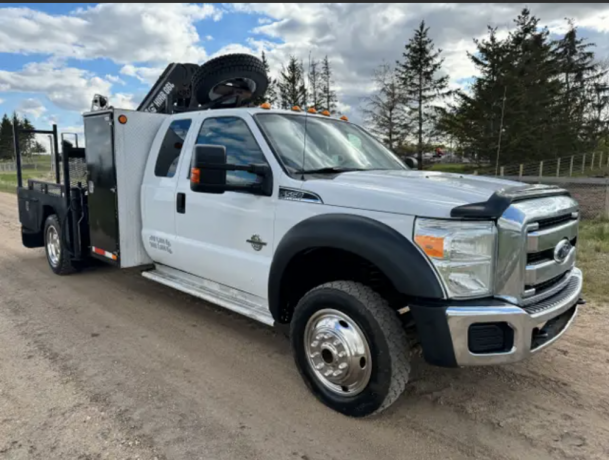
<point x="101" y="177"/>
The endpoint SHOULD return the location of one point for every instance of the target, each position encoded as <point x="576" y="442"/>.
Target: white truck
<point x="306" y="222"/>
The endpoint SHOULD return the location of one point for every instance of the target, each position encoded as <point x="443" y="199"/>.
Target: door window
<point x="169" y="154"/>
<point x="241" y="146"/>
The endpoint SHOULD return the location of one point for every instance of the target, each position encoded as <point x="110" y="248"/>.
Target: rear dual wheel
<point x="58" y="255"/>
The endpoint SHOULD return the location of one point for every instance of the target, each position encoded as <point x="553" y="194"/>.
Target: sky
<point x="55" y="57"/>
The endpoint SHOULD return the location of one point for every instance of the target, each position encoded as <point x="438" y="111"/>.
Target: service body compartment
<point x="118" y="144"/>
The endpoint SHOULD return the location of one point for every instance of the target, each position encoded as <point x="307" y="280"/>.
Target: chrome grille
<point x="529" y="232"/>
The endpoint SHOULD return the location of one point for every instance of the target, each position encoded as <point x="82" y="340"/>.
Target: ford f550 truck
<point x="306" y="222"/>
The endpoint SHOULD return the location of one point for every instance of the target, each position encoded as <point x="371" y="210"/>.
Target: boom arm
<point x="172" y="91"/>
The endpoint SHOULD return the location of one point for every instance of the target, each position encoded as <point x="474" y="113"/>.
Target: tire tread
<point x="391" y="327"/>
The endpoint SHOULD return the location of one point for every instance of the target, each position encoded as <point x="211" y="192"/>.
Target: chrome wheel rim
<point x="338" y="352"/>
<point x="53" y="246"/>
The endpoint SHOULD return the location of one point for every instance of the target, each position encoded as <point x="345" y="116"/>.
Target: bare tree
<point x="386" y="110"/>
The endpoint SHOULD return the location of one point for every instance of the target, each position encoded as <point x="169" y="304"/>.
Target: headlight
<point x="462" y="252"/>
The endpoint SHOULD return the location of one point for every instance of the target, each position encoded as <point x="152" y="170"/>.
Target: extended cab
<point x="307" y="222"/>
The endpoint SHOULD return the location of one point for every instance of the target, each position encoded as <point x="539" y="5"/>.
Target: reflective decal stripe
<point x="101" y="252"/>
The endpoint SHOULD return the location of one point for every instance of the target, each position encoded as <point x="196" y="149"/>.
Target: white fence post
<point x="584" y="163"/>
<point x="520" y="172"/>
<point x="558" y="168"/>
<point x="600" y="162"/>
<point x="540" y="169"/>
<point x="607" y="198"/>
<point x="571" y="167"/>
<point x="592" y="162"/>
<point x="501" y="171"/>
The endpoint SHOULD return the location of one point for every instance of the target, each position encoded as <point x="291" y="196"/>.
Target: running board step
<point x="210" y="291"/>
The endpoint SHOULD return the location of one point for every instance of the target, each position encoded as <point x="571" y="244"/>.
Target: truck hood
<point x="419" y="193"/>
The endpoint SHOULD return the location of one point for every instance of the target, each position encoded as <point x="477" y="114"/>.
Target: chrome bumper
<point x="523" y="321"/>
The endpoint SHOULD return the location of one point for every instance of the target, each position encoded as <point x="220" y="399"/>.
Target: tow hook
<point x="581" y="301"/>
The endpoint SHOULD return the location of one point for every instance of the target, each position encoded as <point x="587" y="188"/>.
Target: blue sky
<point x="55" y="57"/>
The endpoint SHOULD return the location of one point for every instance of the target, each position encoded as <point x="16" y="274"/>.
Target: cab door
<point x="158" y="195"/>
<point x="228" y="238"/>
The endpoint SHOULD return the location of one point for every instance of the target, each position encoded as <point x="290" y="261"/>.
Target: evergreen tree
<point x="315" y="84"/>
<point x="421" y="83"/>
<point x="6" y="138"/>
<point x="270" y="95"/>
<point x="386" y="110"/>
<point x="327" y="94"/>
<point x="292" y="89"/>
<point x="26" y="140"/>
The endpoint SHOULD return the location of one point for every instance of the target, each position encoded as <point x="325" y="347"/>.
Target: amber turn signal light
<point x="122" y="119"/>
<point x="195" y="175"/>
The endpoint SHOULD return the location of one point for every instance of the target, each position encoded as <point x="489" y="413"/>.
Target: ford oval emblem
<point x="562" y="251"/>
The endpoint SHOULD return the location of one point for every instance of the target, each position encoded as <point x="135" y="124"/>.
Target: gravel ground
<point x="105" y="364"/>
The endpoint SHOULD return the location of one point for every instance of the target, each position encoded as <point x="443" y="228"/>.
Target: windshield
<point x="330" y="144"/>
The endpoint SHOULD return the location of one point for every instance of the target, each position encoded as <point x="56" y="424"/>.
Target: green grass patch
<point x="453" y="168"/>
<point x="593" y="257"/>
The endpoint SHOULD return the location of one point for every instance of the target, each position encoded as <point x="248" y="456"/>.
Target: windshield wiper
<point x="330" y="170"/>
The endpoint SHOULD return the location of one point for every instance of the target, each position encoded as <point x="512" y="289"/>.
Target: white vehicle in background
<point x="307" y="223"/>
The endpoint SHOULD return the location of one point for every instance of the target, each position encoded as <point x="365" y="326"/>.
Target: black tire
<point x="60" y="263"/>
<point x="385" y="337"/>
<point x="229" y="67"/>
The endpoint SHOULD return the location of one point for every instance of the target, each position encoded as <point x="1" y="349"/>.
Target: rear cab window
<point x="171" y="148"/>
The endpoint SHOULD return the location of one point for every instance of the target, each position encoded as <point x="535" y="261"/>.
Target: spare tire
<point x="216" y="77"/>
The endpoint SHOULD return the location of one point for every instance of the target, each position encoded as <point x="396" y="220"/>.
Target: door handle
<point x="181" y="203"/>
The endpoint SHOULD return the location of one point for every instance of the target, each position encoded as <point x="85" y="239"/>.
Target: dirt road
<point x="108" y="365"/>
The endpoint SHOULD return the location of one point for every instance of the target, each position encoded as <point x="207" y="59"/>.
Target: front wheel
<point x="57" y="253"/>
<point x="350" y="348"/>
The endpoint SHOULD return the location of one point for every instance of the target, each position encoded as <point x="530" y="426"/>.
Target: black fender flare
<point x="396" y="256"/>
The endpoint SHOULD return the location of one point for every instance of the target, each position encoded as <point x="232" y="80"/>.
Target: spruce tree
<point x="422" y="84"/>
<point x="315" y="84"/>
<point x="270" y="95"/>
<point x="6" y="138"/>
<point x="328" y="94"/>
<point x="292" y="89"/>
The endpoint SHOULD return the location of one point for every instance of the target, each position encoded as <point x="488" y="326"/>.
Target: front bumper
<point x="449" y="333"/>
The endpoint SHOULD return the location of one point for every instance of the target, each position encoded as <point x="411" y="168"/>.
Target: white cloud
<point x="144" y="74"/>
<point x="122" y="32"/>
<point x="124" y="101"/>
<point x="32" y="107"/>
<point x="115" y="79"/>
<point x="68" y="88"/>
<point x="1" y="101"/>
<point x="209" y="38"/>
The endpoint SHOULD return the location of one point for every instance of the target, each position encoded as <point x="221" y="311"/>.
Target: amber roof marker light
<point x="122" y="119"/>
<point x="344" y="118"/>
<point x="265" y="106"/>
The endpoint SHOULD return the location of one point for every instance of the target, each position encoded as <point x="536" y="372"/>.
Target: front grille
<point x="554" y="221"/>
<point x="539" y="288"/>
<point x="537" y="257"/>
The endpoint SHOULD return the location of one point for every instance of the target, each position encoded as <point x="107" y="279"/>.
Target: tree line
<point x="535" y="98"/>
<point x="297" y="86"/>
<point x="28" y="145"/>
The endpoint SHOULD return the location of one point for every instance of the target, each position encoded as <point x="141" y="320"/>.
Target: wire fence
<point x="586" y="176"/>
<point x="583" y="165"/>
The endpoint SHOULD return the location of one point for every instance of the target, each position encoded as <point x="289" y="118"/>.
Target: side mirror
<point x="208" y="173"/>
<point x="412" y="162"/>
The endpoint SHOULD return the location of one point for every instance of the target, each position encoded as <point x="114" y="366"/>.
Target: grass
<point x="8" y="180"/>
<point x="593" y="257"/>
<point x="453" y="168"/>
